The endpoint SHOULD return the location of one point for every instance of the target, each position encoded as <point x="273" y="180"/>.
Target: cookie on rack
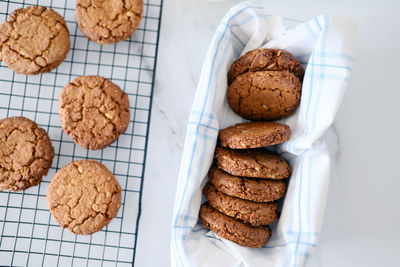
<point x="84" y="196"/>
<point x="26" y="153"/>
<point x="250" y="212"/>
<point x="108" y="21"/>
<point x="265" y="84"/>
<point x="257" y="190"/>
<point x="256" y="163"/>
<point x="94" y="111"/>
<point x="231" y="229"/>
<point x="34" y="40"/>
<point x="254" y="135"/>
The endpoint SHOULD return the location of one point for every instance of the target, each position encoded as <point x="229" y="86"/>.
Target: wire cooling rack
<point x="29" y="236"/>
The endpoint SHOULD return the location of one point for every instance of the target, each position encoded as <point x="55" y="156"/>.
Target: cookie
<point x="265" y="59"/>
<point x="34" y="40"/>
<point x="94" y="111"/>
<point x="233" y="230"/>
<point x="108" y="21"/>
<point x="250" y="212"/>
<point x="84" y="196"/>
<point x="258" y="190"/>
<point x="257" y="163"/>
<point x="265" y="95"/>
<point x="254" y="135"/>
<point x="26" y="153"/>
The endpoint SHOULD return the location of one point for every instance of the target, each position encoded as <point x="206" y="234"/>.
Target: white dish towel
<point x="325" y="47"/>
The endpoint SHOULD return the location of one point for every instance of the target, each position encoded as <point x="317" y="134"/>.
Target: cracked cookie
<point x="254" y="135"/>
<point x="84" y="196"/>
<point x="265" y="84"/>
<point x="257" y="163"/>
<point x="265" y="59"/>
<point x="264" y="95"/>
<point x="258" y="190"/>
<point x="34" y="40"/>
<point x="108" y="21"/>
<point x="26" y="153"/>
<point x="94" y="111"/>
<point x="250" y="212"/>
<point x="233" y="230"/>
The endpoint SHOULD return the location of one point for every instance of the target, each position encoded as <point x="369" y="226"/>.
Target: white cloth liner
<point x="325" y="47"/>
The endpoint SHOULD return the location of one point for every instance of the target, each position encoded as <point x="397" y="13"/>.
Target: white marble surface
<point x="361" y="226"/>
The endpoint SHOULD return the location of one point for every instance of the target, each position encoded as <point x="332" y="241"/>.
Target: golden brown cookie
<point x="26" y="153"/>
<point x="265" y="59"/>
<point x="84" y="196"/>
<point x="254" y="135"/>
<point x="34" y="40"/>
<point x="231" y="229"/>
<point x="94" y="111"/>
<point x="250" y="212"/>
<point x="108" y="21"/>
<point x="257" y="163"/>
<point x="265" y="95"/>
<point x="258" y="190"/>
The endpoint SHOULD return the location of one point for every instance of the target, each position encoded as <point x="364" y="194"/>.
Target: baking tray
<point x="29" y="236"/>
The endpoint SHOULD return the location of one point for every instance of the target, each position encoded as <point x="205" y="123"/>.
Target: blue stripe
<point x="237" y="38"/>
<point x="246" y="20"/>
<point x="336" y="55"/>
<point x="207" y="115"/>
<point x="322" y="69"/>
<point x="328" y="55"/>
<point x="203" y="125"/>
<point x="317" y="22"/>
<point x="333" y="66"/>
<point x="292" y="242"/>
<point x="311" y="77"/>
<point x="334" y="77"/>
<point x="299" y="214"/>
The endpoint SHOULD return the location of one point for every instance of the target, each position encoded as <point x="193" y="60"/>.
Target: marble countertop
<point x="361" y="226"/>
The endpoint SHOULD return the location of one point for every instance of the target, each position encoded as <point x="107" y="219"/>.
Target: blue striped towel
<point x="324" y="45"/>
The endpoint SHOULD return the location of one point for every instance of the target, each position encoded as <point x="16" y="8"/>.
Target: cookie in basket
<point x="84" y="196"/>
<point x="257" y="190"/>
<point x="94" y="111"/>
<point x="266" y="59"/>
<point x="254" y="135"/>
<point x="26" y="153"/>
<point x="34" y="40"/>
<point x="250" y="212"/>
<point x="256" y="163"/>
<point x="108" y="21"/>
<point x="231" y="229"/>
<point x="265" y="84"/>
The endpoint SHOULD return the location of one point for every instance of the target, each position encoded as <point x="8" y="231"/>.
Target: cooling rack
<point x="29" y="236"/>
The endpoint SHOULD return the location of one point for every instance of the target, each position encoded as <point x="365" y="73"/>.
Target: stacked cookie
<point x="245" y="183"/>
<point x="246" y="180"/>
<point x="265" y="84"/>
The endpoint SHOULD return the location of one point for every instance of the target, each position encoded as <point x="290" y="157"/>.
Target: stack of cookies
<point x="246" y="179"/>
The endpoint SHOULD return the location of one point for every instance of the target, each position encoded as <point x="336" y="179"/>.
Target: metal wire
<point x="29" y="236"/>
